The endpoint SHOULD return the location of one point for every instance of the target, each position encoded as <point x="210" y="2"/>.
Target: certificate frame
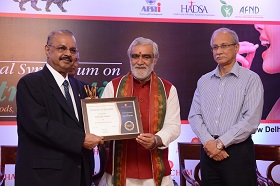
<point x="112" y="118"/>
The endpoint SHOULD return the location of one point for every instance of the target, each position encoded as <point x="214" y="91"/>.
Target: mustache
<point x="68" y="58"/>
<point x="144" y="65"/>
<point x="218" y="56"/>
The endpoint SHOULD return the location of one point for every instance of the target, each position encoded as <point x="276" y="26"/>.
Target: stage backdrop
<point x="104" y="30"/>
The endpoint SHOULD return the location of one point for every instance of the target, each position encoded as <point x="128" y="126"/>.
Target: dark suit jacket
<point x="50" y="138"/>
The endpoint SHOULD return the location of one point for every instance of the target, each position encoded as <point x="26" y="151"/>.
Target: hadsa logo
<point x="193" y="8"/>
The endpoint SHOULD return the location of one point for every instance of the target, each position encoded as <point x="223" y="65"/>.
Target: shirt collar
<point x="140" y="82"/>
<point x="57" y="76"/>
<point x="234" y="71"/>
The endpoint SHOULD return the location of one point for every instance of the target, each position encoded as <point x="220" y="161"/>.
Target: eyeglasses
<point x="223" y="47"/>
<point x="63" y="49"/>
<point x="145" y="57"/>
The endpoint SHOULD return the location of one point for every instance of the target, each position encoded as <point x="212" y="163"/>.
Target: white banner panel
<point x="154" y="10"/>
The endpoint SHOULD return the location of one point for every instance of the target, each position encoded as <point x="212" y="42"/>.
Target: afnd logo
<point x="249" y="10"/>
<point x="155" y="8"/>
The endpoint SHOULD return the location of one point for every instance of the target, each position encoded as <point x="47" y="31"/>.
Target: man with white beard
<point x="144" y="161"/>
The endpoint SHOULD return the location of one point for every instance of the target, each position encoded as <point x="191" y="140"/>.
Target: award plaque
<point x="112" y="118"/>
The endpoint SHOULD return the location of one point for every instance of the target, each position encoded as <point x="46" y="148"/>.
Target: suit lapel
<point x="59" y="96"/>
<point x="77" y="96"/>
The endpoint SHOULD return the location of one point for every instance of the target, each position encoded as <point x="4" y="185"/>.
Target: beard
<point x="142" y="72"/>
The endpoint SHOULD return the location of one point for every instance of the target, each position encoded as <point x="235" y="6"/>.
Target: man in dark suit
<point x="53" y="149"/>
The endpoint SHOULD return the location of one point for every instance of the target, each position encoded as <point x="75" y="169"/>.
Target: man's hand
<point x="221" y="156"/>
<point x="210" y="148"/>
<point x="148" y="141"/>
<point x="92" y="141"/>
<point x="248" y="48"/>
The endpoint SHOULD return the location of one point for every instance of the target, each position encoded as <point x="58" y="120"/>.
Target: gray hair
<point x="232" y="32"/>
<point x="51" y="35"/>
<point x="143" y="41"/>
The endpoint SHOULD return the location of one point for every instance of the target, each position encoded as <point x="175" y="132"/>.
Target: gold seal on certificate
<point x="112" y="118"/>
<point x="129" y="125"/>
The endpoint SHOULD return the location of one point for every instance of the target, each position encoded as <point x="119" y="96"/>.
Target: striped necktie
<point x="67" y="94"/>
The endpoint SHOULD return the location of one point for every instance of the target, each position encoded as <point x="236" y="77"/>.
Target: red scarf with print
<point x="156" y="115"/>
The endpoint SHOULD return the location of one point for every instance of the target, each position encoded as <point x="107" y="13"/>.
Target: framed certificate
<point x="112" y="118"/>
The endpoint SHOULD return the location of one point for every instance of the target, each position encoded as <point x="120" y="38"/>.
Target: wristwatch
<point x="219" y="145"/>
